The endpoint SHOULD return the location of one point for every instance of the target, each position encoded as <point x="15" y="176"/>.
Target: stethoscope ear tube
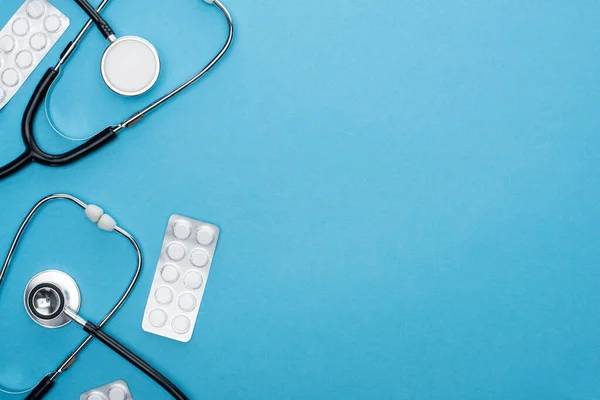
<point x="35" y="152"/>
<point x="136" y="361"/>
<point x="95" y="16"/>
<point x="41" y="390"/>
<point x="31" y="147"/>
<point x="16" y="165"/>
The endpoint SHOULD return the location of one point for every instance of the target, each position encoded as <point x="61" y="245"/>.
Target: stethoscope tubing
<point x="132" y="283"/>
<point x="134" y="360"/>
<point x="140" y="114"/>
<point x="61" y="308"/>
<point x="33" y="153"/>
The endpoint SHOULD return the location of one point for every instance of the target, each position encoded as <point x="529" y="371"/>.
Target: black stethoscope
<point x="48" y="301"/>
<point x="33" y="152"/>
<point x="52" y="299"/>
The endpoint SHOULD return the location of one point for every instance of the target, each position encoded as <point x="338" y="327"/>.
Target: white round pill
<point x="187" y="302"/>
<point x="24" y="59"/>
<point x="163" y="295"/>
<point x="52" y="23"/>
<point x="38" y="41"/>
<point x="7" y="44"/>
<point x="35" y="9"/>
<point x="181" y="324"/>
<point x="169" y="273"/>
<point x="182" y="230"/>
<point x="199" y="258"/>
<point x="193" y="280"/>
<point x="205" y="235"/>
<point x="158" y="317"/>
<point x="116" y="393"/>
<point x="96" y="396"/>
<point x="176" y="251"/>
<point x="20" y="27"/>
<point x="10" y="77"/>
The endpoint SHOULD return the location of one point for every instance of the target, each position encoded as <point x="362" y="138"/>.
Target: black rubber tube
<point x="95" y="16"/>
<point x="135" y="360"/>
<point x="34" y="104"/>
<point x="41" y="389"/>
<point x="16" y="165"/>
<point x="97" y="141"/>
<point x="55" y="160"/>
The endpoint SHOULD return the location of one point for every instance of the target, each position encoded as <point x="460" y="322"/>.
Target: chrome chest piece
<point x="46" y="295"/>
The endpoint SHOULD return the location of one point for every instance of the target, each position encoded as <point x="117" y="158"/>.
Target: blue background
<point x="407" y="192"/>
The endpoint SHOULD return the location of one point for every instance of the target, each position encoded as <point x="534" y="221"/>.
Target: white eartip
<point x="107" y="223"/>
<point x="94" y="213"/>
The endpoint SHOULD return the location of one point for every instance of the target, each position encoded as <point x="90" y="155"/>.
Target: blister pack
<point x="118" y="390"/>
<point x="181" y="274"/>
<point x="24" y="42"/>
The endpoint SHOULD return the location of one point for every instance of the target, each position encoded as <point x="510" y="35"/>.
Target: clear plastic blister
<point x="118" y="390"/>
<point x="24" y="42"/>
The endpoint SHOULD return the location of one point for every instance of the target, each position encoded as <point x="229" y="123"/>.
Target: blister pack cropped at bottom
<point x="118" y="390"/>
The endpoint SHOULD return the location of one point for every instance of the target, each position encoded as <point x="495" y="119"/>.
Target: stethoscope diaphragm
<point x="47" y="294"/>
<point x="130" y="66"/>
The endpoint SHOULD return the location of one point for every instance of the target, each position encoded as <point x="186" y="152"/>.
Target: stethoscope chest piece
<point x="130" y="66"/>
<point x="46" y="296"/>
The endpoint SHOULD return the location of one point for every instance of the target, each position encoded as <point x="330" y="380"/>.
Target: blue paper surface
<point x="407" y="193"/>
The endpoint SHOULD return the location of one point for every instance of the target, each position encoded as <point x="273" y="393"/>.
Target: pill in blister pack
<point x="25" y="41"/>
<point x="183" y="267"/>
<point x="113" y="391"/>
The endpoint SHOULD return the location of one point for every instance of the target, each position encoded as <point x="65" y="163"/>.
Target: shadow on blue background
<point x="407" y="193"/>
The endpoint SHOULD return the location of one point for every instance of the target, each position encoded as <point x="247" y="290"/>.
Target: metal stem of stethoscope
<point x="69" y="50"/>
<point x="140" y="114"/>
<point x="71" y="358"/>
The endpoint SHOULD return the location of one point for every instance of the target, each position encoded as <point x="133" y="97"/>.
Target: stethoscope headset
<point x="33" y="152"/>
<point x="52" y="299"/>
